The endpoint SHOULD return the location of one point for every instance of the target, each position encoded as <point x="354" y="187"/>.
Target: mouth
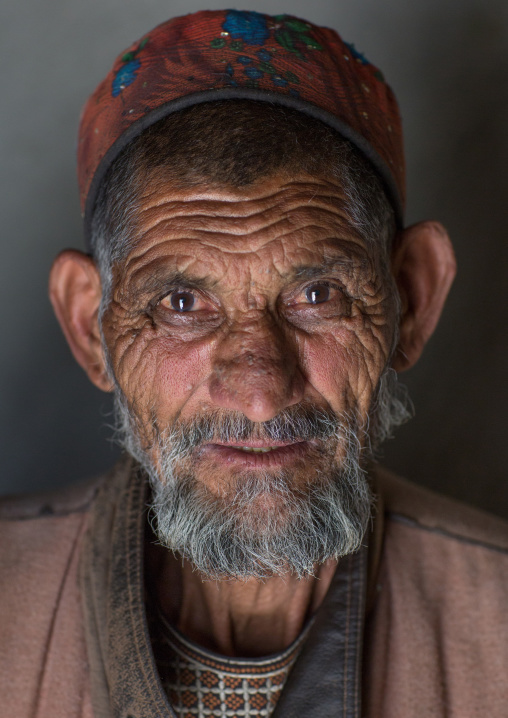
<point x="256" y="450"/>
<point x="258" y="454"/>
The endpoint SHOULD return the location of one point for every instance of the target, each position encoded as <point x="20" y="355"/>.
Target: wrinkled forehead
<point x="279" y="229"/>
<point x="239" y="189"/>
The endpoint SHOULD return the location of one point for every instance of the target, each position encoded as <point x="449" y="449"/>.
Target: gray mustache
<point x="292" y="424"/>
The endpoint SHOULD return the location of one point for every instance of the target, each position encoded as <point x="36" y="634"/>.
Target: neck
<point x="235" y="618"/>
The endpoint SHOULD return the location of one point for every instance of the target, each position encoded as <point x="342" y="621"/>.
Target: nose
<point x="256" y="371"/>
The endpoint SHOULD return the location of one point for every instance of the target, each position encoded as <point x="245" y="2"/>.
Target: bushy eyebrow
<point x="330" y="264"/>
<point x="163" y="281"/>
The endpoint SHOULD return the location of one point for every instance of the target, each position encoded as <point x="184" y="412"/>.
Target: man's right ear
<point x="75" y="291"/>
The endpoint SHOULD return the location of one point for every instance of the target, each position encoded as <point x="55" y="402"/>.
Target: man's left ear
<point x="75" y="291"/>
<point x="423" y="264"/>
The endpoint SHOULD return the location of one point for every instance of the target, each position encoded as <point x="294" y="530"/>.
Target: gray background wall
<point x="448" y="63"/>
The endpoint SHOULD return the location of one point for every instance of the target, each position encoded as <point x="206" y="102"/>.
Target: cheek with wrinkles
<point x="344" y="366"/>
<point x="182" y="370"/>
<point x="158" y="373"/>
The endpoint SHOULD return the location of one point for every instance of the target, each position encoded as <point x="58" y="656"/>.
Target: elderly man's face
<point x="246" y="336"/>
<point x="253" y="301"/>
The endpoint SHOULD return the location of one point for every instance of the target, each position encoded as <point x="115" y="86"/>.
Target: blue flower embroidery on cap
<point x="125" y="77"/>
<point x="250" y="27"/>
<point x="264" y="55"/>
<point x="127" y="73"/>
<point x="253" y="73"/>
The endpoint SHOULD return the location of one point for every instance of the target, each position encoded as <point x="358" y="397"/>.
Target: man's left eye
<point x="317" y="293"/>
<point x="182" y="301"/>
<point x="325" y="298"/>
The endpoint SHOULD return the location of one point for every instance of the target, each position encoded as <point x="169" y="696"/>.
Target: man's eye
<point x="317" y="293"/>
<point x="181" y="301"/>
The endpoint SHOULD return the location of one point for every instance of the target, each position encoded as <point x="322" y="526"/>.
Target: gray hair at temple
<point x="232" y="143"/>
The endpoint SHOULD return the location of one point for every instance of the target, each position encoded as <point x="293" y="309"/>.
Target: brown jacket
<point x="432" y="623"/>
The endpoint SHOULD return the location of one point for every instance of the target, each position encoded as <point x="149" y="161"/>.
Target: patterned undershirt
<point x="201" y="683"/>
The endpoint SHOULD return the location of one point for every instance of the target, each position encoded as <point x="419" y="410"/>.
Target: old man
<point x="249" y="295"/>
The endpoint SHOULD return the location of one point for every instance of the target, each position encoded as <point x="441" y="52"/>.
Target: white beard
<point x="231" y="536"/>
<point x="263" y="527"/>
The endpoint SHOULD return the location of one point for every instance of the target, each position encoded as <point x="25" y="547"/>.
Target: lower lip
<point x="280" y="456"/>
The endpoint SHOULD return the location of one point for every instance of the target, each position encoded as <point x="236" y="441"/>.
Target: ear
<point x="75" y="292"/>
<point x="424" y="266"/>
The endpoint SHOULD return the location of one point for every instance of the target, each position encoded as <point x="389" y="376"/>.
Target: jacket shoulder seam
<point x="440" y="531"/>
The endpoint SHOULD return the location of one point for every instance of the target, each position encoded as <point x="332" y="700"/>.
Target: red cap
<point x="216" y="55"/>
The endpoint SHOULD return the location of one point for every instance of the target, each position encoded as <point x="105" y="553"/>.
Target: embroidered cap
<point x="216" y="55"/>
